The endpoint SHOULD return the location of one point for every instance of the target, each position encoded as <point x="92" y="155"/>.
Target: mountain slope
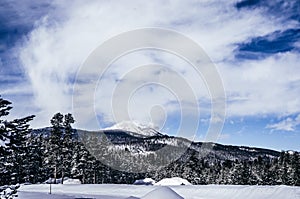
<point x="137" y="139"/>
<point x="135" y="129"/>
<point x="123" y="157"/>
<point x="121" y="141"/>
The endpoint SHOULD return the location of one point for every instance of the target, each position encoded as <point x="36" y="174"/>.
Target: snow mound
<point x="162" y="193"/>
<point x="135" y="127"/>
<point x="72" y="181"/>
<point x="173" y="181"/>
<point x="67" y="180"/>
<point x="146" y="181"/>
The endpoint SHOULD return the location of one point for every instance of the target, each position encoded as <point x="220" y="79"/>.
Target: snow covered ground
<point x="113" y="191"/>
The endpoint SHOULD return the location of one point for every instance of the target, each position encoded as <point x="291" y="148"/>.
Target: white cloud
<point x="224" y="136"/>
<point x="288" y="124"/>
<point x="54" y="52"/>
<point x="263" y="87"/>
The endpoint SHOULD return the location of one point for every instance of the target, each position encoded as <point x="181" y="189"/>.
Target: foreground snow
<point x="163" y="193"/>
<point x="113" y="191"/>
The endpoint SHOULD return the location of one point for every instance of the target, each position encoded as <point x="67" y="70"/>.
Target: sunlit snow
<point x="113" y="191"/>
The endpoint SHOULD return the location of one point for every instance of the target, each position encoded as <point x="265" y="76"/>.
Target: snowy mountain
<point x="135" y="129"/>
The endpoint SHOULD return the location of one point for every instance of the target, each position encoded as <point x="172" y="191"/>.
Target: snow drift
<point x="67" y="180"/>
<point x="162" y="193"/>
<point x="173" y="181"/>
<point x="72" y="181"/>
<point x="146" y="181"/>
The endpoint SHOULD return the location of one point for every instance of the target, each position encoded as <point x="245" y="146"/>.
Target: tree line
<point x="27" y="157"/>
<point x="282" y="170"/>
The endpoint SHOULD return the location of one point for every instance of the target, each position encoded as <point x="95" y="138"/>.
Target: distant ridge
<point x="135" y="128"/>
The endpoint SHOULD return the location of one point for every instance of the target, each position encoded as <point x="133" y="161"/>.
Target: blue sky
<point x="254" y="44"/>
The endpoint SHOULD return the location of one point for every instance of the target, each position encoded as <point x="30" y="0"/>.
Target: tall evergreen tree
<point x="19" y="130"/>
<point x="296" y="168"/>
<point x="67" y="145"/>
<point x="4" y="110"/>
<point x="13" y="145"/>
<point x="5" y="107"/>
<point x="54" y="145"/>
<point x="35" y="170"/>
<point x="60" y="146"/>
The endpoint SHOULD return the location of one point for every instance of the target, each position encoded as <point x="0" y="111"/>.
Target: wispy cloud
<point x="262" y="87"/>
<point x="56" y="48"/>
<point x="288" y="124"/>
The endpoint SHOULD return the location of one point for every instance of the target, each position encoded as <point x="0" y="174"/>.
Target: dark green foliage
<point x="53" y="153"/>
<point x="19" y="131"/>
<point x="4" y="110"/>
<point x="14" y="148"/>
<point x="60" y="146"/>
<point x="266" y="171"/>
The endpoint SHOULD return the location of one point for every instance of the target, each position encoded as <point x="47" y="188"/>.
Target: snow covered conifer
<point x="54" y="148"/>
<point x="19" y="130"/>
<point x="67" y="145"/>
<point x="13" y="139"/>
<point x="4" y="110"/>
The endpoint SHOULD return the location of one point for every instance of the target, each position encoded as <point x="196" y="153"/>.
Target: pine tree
<point x="54" y="146"/>
<point x="4" y="110"/>
<point x="241" y="173"/>
<point x="34" y="168"/>
<point x="19" y="130"/>
<point x="13" y="146"/>
<point x="296" y="168"/>
<point x="82" y="163"/>
<point x="67" y="145"/>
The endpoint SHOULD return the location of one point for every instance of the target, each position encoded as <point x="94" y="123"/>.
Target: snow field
<point x="113" y="191"/>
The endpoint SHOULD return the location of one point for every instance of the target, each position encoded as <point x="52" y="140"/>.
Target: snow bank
<point x="162" y="193"/>
<point x="146" y="181"/>
<point x="72" y="181"/>
<point x="66" y="181"/>
<point x="173" y="181"/>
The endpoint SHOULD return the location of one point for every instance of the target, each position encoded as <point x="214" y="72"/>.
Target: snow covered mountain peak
<point x="135" y="127"/>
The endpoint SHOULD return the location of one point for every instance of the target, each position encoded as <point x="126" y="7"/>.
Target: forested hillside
<point x="34" y="156"/>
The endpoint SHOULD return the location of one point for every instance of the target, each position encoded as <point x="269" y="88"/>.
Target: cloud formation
<point x="288" y="124"/>
<point x="56" y="48"/>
